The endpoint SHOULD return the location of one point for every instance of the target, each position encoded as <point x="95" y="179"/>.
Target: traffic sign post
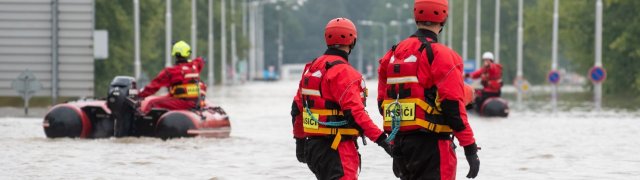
<point x="26" y="85"/>
<point x="469" y="67"/>
<point x="597" y="75"/>
<point x="554" y="78"/>
<point x="521" y="84"/>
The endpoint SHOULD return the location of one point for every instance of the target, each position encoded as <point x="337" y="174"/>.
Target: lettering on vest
<point x="308" y="122"/>
<point x="406" y="110"/>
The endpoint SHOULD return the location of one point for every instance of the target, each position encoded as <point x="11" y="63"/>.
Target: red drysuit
<point x="183" y="81"/>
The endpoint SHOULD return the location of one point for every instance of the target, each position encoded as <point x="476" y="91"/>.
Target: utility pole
<point x="136" y="39"/>
<point x="234" y="57"/>
<point x="360" y="58"/>
<point x="223" y="42"/>
<point x="464" y="30"/>
<point x="260" y="40"/>
<point x="244" y="18"/>
<point x="384" y="36"/>
<point x="478" y="57"/>
<point x="194" y="31"/>
<point x="598" y="86"/>
<point x="211" y="50"/>
<point x="450" y="26"/>
<point x="496" y="34"/>
<point x="54" y="52"/>
<point x="167" y="35"/>
<point x="398" y="15"/>
<point x="252" y="40"/>
<point x="280" y="48"/>
<point x="554" y="55"/>
<point x="519" y="51"/>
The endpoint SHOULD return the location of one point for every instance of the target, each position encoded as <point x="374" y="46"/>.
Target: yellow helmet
<point x="181" y="49"/>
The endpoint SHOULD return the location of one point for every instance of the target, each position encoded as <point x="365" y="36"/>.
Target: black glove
<point x="466" y="75"/>
<point x="471" y="152"/>
<point x="381" y="141"/>
<point x="300" y="150"/>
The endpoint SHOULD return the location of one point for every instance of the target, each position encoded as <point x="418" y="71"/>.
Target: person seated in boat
<point x="490" y="75"/>
<point x="182" y="79"/>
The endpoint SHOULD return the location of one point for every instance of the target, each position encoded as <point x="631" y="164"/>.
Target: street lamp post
<point x="252" y="38"/>
<point x="554" y="55"/>
<point x="234" y="57"/>
<point x="496" y="35"/>
<point x="478" y="38"/>
<point x="136" y="41"/>
<point x="168" y="24"/>
<point x="223" y="43"/>
<point x="519" y="51"/>
<point x="598" y="53"/>
<point x="210" y="44"/>
<point x="465" y="26"/>
<point x="194" y="29"/>
<point x="384" y="30"/>
<point x="411" y="25"/>
<point x="450" y="28"/>
<point x="398" y="16"/>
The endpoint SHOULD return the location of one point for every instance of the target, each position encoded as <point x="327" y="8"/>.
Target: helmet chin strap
<point x="352" y="46"/>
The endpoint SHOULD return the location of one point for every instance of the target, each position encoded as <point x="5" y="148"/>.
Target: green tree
<point x="116" y="16"/>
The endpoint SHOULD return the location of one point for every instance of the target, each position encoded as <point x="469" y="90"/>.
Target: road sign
<point x="597" y="74"/>
<point x="26" y="85"/>
<point x="469" y="67"/>
<point x="553" y="77"/>
<point x="521" y="84"/>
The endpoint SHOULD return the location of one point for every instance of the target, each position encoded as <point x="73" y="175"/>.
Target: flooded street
<point x="527" y="145"/>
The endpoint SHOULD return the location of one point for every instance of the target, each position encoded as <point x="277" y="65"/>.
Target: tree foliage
<point x="116" y="16"/>
<point x="303" y="25"/>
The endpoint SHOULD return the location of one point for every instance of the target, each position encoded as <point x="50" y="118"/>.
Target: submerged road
<point x="527" y="145"/>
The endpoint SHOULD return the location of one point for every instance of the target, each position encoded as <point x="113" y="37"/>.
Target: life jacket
<point x="408" y="100"/>
<point x="185" y="82"/>
<point x="492" y="77"/>
<point x="317" y="110"/>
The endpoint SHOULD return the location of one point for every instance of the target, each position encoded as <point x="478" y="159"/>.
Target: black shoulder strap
<point x="329" y="65"/>
<point x="426" y="45"/>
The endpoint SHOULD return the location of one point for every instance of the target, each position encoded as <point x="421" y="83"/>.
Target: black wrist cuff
<point x="470" y="149"/>
<point x="381" y="138"/>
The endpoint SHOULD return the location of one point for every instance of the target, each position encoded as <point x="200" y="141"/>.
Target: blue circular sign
<point x="597" y="74"/>
<point x="553" y="77"/>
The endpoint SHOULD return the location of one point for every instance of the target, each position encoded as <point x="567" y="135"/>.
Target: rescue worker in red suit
<point x="328" y="110"/>
<point x="182" y="80"/>
<point x="491" y="78"/>
<point x="421" y="97"/>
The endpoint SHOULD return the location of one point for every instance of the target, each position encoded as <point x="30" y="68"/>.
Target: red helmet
<point x="340" y="31"/>
<point x="430" y="10"/>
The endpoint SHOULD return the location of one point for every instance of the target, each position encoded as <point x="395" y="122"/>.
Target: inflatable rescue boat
<point x="118" y="116"/>
<point x="492" y="106"/>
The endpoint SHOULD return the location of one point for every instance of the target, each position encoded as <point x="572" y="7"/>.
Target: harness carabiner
<point x="333" y="124"/>
<point x="396" y="117"/>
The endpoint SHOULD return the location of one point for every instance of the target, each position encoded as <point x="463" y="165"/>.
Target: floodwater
<point x="534" y="144"/>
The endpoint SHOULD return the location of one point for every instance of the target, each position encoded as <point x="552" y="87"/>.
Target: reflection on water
<point x="531" y="144"/>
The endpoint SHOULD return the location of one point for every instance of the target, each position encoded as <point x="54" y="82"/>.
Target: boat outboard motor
<point x="122" y="99"/>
